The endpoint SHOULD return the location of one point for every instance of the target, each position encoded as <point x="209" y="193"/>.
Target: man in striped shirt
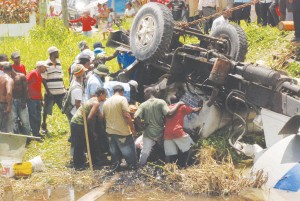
<point x="53" y="83"/>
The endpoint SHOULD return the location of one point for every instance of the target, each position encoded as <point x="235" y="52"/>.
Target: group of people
<point x="103" y="21"/>
<point x="108" y="106"/>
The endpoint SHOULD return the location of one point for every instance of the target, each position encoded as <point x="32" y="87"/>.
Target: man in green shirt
<point x="153" y="112"/>
<point x="91" y="109"/>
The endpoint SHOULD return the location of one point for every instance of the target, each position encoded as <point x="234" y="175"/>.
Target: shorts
<point x="183" y="144"/>
<point x="51" y="100"/>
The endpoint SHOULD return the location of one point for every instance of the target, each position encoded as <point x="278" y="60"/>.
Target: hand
<point x="43" y="103"/>
<point x="282" y="17"/>
<point x="134" y="133"/>
<point x="197" y="109"/>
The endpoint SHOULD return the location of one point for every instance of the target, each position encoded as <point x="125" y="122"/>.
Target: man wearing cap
<point x="130" y="89"/>
<point x="87" y="23"/>
<point x="119" y="128"/>
<point x="96" y="80"/>
<point x="17" y="66"/>
<point x="98" y="48"/>
<point x="76" y="88"/>
<point x="85" y="60"/>
<point x="153" y="112"/>
<point x="53" y="83"/>
<point x="6" y="88"/>
<point x="84" y="55"/>
<point x="19" y="104"/>
<point x="34" y="102"/>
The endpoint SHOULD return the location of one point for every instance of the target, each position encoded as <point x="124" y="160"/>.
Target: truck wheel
<point x="237" y="45"/>
<point x="151" y="32"/>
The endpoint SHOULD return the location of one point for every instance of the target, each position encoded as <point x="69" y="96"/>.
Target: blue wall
<point x="120" y="6"/>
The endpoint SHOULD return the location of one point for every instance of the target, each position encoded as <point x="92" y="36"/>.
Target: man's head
<point x="86" y="13"/>
<point x="133" y="85"/>
<point x="226" y="13"/>
<point x="100" y="93"/>
<point x="3" y="57"/>
<point x="51" y="9"/>
<point x="15" y="57"/>
<point x="82" y="45"/>
<point x="79" y="71"/>
<point x="98" y="45"/>
<point x="118" y="89"/>
<point x="85" y="60"/>
<point x="101" y="70"/>
<point x="41" y="66"/>
<point x="53" y="52"/>
<point x="6" y="66"/>
<point x="128" y="5"/>
<point x="149" y="92"/>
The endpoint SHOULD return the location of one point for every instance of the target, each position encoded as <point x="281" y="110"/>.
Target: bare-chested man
<point x="6" y="88"/>
<point x="19" y="104"/>
<point x="3" y="57"/>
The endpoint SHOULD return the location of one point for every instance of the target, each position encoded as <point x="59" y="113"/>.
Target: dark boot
<point x="183" y="160"/>
<point x="171" y="159"/>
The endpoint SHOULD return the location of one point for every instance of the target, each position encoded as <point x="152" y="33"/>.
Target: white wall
<point x="12" y="30"/>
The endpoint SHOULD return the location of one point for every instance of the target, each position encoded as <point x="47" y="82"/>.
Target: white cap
<point x="90" y="53"/>
<point x="41" y="63"/>
<point x="134" y="84"/>
<point x="52" y="49"/>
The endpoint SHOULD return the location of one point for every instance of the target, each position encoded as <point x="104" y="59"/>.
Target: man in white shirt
<point x="207" y="8"/>
<point x="223" y="19"/>
<point x="129" y="11"/>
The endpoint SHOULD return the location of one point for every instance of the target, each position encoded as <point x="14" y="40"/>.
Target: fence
<point x="21" y="29"/>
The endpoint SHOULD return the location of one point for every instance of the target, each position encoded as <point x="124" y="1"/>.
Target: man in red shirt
<point x="87" y="23"/>
<point x="175" y="138"/>
<point x="34" y="103"/>
<point x="17" y="66"/>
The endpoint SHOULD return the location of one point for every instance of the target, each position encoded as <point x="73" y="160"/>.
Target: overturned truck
<point x="212" y="70"/>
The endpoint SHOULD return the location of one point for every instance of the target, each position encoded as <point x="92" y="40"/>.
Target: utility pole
<point x="43" y="12"/>
<point x="65" y="15"/>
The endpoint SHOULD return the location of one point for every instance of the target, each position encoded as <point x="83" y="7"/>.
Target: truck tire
<point x="151" y="32"/>
<point x="237" y="46"/>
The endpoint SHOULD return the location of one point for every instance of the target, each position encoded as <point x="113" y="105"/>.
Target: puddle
<point x="61" y="193"/>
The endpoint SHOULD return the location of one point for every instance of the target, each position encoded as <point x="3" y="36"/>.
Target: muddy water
<point x="63" y="194"/>
<point x="246" y="195"/>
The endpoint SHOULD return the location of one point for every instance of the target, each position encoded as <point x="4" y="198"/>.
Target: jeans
<point x="79" y="143"/>
<point x="265" y="14"/>
<point x="122" y="146"/>
<point x="207" y="11"/>
<point x="148" y="143"/>
<point x="272" y="9"/>
<point x="35" y="110"/>
<point x="22" y="113"/>
<point x="87" y="33"/>
<point x="4" y="119"/>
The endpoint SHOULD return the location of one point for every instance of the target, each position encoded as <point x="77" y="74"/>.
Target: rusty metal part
<point x="184" y="25"/>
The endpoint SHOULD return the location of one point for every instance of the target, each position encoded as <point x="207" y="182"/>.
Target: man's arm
<point x="94" y="111"/>
<point x="128" y="119"/>
<point x="175" y="108"/>
<point x="46" y="87"/>
<point x="108" y="58"/>
<point x="9" y="89"/>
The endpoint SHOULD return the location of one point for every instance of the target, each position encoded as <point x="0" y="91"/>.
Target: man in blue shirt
<point x="125" y="57"/>
<point x="95" y="81"/>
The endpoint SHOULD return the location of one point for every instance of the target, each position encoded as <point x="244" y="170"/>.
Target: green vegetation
<point x="263" y="42"/>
